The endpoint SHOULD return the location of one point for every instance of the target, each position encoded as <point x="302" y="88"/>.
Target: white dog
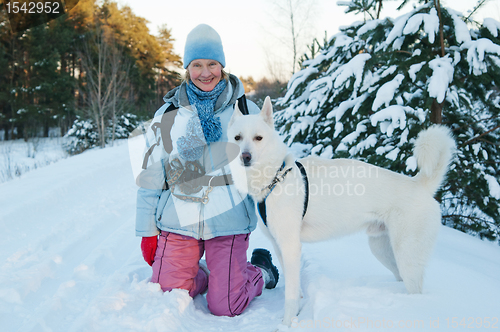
<point x="343" y="196"/>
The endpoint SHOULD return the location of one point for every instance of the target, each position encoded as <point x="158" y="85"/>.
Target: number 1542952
<point x="33" y="7"/>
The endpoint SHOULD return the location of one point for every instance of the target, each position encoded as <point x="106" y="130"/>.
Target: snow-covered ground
<point x="69" y="261"/>
<point x="18" y="157"/>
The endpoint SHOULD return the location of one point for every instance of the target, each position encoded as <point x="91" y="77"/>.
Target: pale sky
<point x="251" y="37"/>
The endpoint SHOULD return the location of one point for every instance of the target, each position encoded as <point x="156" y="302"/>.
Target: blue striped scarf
<point x="204" y="101"/>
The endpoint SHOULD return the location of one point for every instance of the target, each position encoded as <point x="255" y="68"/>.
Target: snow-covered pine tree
<point x="376" y="84"/>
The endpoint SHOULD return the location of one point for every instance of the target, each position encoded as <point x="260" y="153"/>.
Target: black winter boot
<point x="262" y="259"/>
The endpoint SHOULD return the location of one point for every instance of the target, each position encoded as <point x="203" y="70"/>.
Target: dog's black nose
<point x="246" y="157"/>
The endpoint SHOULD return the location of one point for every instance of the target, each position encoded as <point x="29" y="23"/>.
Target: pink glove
<point x="148" y="247"/>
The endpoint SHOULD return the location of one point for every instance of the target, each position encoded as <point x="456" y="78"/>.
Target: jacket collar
<point x="234" y="90"/>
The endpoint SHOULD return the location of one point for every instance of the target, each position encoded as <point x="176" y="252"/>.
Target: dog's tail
<point x="434" y="149"/>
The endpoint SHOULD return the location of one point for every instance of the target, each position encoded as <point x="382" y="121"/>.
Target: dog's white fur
<point x="398" y="212"/>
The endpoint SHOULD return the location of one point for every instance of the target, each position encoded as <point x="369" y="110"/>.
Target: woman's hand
<point x="148" y="247"/>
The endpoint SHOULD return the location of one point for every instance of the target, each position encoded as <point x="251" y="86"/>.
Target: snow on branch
<point x="397" y="116"/>
<point x="476" y="54"/>
<point x="386" y="92"/>
<point x="431" y="24"/>
<point x="442" y="76"/>
<point x="492" y="25"/>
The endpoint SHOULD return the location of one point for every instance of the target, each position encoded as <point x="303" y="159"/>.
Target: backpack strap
<point x="167" y="121"/>
<point x="165" y="124"/>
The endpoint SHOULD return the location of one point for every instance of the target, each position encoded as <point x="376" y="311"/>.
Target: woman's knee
<point x="221" y="305"/>
<point x="176" y="261"/>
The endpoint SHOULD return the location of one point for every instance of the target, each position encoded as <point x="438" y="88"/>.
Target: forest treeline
<point x="96" y="62"/>
<point x="94" y="73"/>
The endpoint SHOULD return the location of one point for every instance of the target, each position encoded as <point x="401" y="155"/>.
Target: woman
<point x="201" y="211"/>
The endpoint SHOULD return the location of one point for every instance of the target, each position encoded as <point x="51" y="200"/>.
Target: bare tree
<point x="120" y="67"/>
<point x="105" y="70"/>
<point x="276" y="66"/>
<point x="294" y="19"/>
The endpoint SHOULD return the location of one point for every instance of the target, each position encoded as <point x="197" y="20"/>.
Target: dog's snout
<point x="246" y="157"/>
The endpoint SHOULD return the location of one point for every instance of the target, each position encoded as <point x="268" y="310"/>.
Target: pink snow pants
<point x="233" y="281"/>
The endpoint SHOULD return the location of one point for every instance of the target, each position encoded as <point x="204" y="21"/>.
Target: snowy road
<point x="69" y="261"/>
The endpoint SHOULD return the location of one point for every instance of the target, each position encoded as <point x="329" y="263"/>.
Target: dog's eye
<point x="237" y="137"/>
<point x="258" y="138"/>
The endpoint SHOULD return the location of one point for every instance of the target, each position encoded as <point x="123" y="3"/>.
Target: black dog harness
<point x="261" y="206"/>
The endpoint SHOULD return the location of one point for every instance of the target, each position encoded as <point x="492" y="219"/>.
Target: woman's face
<point x="205" y="73"/>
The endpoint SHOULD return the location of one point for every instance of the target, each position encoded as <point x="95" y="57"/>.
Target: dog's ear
<point x="236" y="114"/>
<point x="267" y="112"/>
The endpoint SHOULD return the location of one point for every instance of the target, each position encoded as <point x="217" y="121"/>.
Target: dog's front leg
<point x="276" y="247"/>
<point x="291" y="250"/>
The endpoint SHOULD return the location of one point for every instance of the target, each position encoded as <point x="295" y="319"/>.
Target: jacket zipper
<point x="201" y="227"/>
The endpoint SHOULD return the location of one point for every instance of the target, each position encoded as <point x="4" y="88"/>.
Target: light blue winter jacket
<point x="227" y="212"/>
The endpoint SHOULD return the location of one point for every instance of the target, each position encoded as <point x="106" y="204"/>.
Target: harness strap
<point x="242" y="105"/>
<point x="306" y="183"/>
<point x="261" y="206"/>
<point x="262" y="211"/>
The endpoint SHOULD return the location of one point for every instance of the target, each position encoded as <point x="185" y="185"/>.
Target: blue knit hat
<point x="203" y="42"/>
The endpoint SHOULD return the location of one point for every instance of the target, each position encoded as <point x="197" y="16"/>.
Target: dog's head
<point x="255" y="135"/>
